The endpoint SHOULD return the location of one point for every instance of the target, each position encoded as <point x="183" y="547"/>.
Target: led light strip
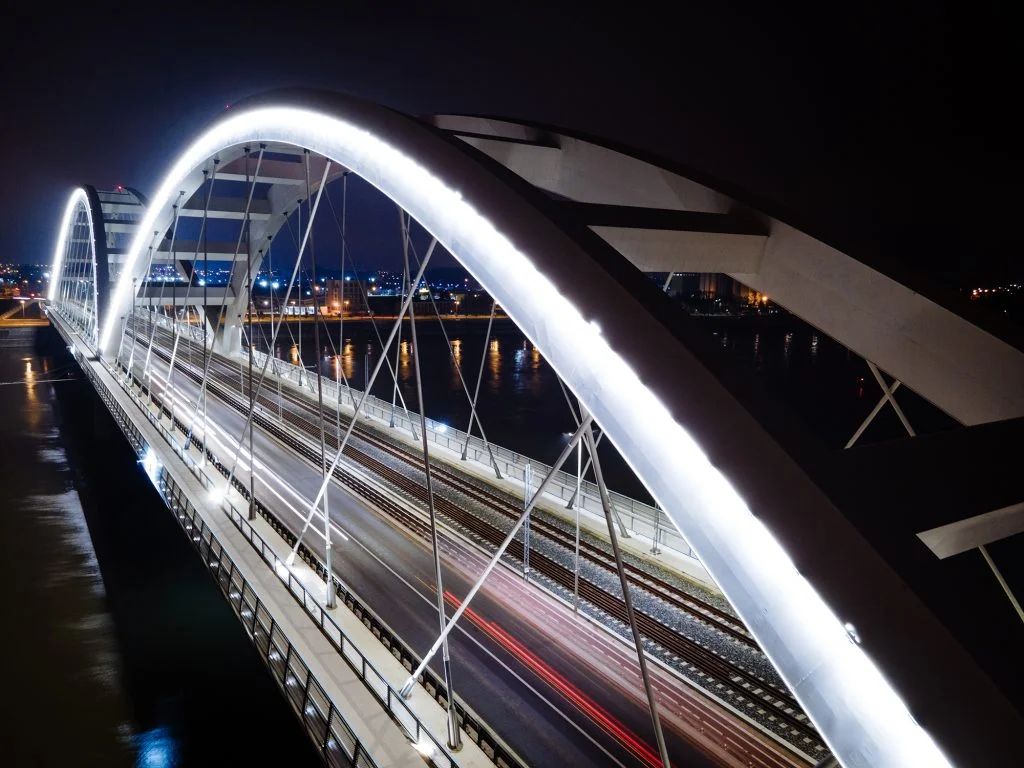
<point x="858" y="712"/>
<point x="78" y="197"/>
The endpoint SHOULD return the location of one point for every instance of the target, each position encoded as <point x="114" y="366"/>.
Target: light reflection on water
<point x="103" y="673"/>
<point x="65" y="650"/>
<point x="521" y="404"/>
<point x="156" y="748"/>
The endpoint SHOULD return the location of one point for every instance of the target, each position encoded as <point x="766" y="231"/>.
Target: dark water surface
<point x="118" y="649"/>
<point x="522" y="407"/>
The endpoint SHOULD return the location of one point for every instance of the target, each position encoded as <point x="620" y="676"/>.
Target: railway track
<point x="226" y="382"/>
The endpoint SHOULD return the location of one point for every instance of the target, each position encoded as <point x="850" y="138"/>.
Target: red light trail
<point x="637" y="747"/>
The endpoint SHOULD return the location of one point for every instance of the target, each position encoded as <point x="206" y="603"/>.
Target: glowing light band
<point x="77" y="197"/>
<point x="859" y="714"/>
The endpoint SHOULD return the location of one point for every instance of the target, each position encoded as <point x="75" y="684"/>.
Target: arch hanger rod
<point x="373" y="321"/>
<point x="606" y="502"/>
<point x="458" y="368"/>
<point x="359" y="407"/>
<point x="220" y="314"/>
<point x="454" y="736"/>
<point x="277" y="328"/>
<point x="578" y="435"/>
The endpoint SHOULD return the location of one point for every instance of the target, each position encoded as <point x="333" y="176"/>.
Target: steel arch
<point x="82" y="200"/>
<point x="588" y="330"/>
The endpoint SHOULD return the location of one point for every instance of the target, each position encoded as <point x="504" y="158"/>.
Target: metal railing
<point x="385" y="694"/>
<point x="324" y="723"/>
<point x="472" y="725"/>
<point x="639" y="517"/>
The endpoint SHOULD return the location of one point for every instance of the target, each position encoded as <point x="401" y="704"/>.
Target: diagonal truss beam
<point x="359" y="407"/>
<point x="888" y="392"/>
<point x="577" y="436"/>
<point x="627" y="597"/>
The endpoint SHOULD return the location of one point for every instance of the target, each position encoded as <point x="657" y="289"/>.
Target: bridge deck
<point x="391" y="570"/>
<point x="376" y="730"/>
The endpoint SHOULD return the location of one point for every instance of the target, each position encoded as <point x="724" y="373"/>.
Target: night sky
<point x="882" y="130"/>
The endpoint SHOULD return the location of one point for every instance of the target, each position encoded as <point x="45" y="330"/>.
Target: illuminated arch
<point x="74" y="281"/>
<point x="571" y="305"/>
<point x="87" y="254"/>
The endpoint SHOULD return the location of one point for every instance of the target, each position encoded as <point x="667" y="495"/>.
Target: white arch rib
<point x="858" y="712"/>
<point x="77" y="197"/>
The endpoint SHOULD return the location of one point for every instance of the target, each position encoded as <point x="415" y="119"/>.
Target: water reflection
<point x="494" y="366"/>
<point x="347" y="361"/>
<point x="455" y="364"/>
<point x="64" y="648"/>
<point x="30" y="389"/>
<point x="518" y="360"/>
<point x="157" y="748"/>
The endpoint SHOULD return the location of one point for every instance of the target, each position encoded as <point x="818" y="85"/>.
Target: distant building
<point x="347" y="295"/>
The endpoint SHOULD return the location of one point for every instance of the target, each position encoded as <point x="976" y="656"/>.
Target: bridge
<point x="420" y="593"/>
<point x="17" y="316"/>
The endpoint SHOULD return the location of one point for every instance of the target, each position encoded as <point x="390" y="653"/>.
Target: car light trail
<point x="633" y="744"/>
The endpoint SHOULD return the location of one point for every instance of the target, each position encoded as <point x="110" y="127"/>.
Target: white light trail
<point x="222" y="439"/>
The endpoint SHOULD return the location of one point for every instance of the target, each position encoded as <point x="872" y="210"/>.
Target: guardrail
<point x="639" y="517"/>
<point x="472" y="725"/>
<point x="388" y="697"/>
<point x="324" y="723"/>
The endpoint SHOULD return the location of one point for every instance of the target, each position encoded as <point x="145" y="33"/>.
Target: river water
<point x="521" y="403"/>
<point x="118" y="649"/>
